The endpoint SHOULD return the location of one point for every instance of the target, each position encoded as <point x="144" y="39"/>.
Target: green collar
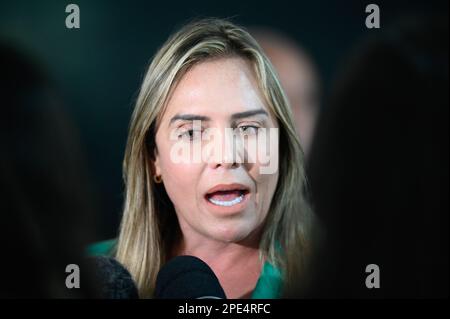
<point x="270" y="283"/>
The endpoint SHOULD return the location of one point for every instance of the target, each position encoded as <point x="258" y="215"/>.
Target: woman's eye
<point x="248" y="129"/>
<point x="190" y="134"/>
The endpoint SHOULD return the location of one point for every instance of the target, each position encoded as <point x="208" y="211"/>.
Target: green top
<point x="269" y="285"/>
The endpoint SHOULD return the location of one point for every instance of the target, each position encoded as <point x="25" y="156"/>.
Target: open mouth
<point x="227" y="195"/>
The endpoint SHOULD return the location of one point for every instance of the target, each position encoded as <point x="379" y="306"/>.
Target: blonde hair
<point x="149" y="217"/>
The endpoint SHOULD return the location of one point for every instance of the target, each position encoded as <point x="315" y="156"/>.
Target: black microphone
<point x="113" y="280"/>
<point x="187" y="277"/>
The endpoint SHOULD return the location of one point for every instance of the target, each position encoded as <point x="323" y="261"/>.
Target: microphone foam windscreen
<point x="113" y="279"/>
<point x="187" y="277"/>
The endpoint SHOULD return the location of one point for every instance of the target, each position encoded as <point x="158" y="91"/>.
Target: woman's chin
<point x="232" y="234"/>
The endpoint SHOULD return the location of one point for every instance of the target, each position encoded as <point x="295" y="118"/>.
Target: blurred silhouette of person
<point x="47" y="201"/>
<point x="379" y="167"/>
<point x="299" y="78"/>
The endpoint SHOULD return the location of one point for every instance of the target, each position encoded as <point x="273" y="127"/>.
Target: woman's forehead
<point x="218" y="87"/>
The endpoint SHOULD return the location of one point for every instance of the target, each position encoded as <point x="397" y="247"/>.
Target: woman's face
<point x="215" y="197"/>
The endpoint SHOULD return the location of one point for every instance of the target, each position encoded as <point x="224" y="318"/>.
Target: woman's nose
<point x="225" y="151"/>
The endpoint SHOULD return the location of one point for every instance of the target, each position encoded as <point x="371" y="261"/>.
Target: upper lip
<point x="228" y="187"/>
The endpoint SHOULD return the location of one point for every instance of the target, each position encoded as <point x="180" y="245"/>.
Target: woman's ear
<point x="156" y="163"/>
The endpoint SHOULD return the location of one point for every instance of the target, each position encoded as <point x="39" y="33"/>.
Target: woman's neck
<point x="236" y="265"/>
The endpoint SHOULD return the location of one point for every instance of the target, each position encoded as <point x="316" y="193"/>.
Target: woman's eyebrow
<point x="188" y="117"/>
<point x="245" y="114"/>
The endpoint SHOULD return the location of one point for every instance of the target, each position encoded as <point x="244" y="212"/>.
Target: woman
<point x="249" y="225"/>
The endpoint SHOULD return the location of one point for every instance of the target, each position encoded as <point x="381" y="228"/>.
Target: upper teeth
<point x="235" y="201"/>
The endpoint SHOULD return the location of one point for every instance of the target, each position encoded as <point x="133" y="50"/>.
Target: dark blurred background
<point x="99" y="67"/>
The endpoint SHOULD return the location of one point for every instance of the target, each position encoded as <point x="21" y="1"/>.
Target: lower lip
<point x="236" y="208"/>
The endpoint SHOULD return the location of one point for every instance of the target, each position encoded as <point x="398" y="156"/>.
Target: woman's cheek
<point x="265" y="187"/>
<point x="180" y="181"/>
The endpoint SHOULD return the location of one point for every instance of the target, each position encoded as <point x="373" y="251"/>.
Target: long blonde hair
<point x="149" y="217"/>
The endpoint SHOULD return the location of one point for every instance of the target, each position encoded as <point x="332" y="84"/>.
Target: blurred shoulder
<point x="102" y="248"/>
